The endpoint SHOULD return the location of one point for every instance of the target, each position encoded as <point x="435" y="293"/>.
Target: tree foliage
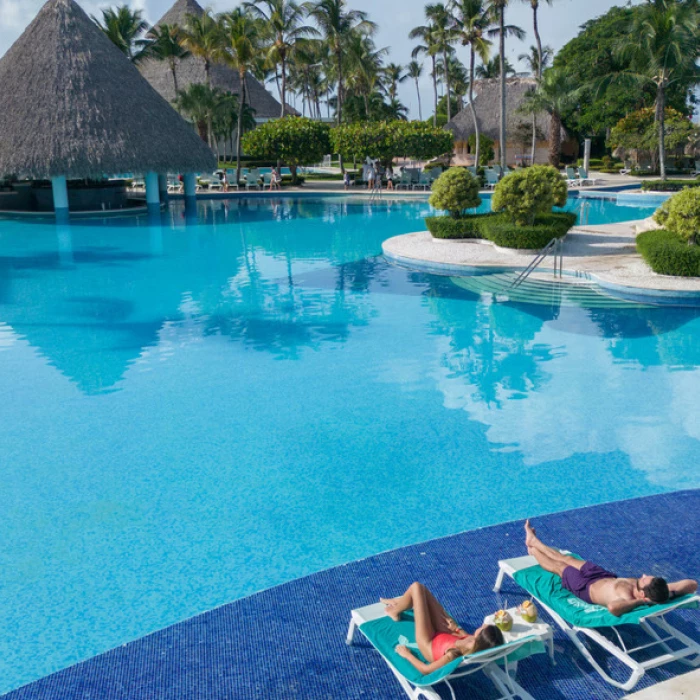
<point x="389" y="140"/>
<point x="524" y="194"/>
<point x="594" y="53"/>
<point x="455" y="191"/>
<point x="682" y="214"/>
<point x="294" y="141"/>
<point x="486" y="152"/>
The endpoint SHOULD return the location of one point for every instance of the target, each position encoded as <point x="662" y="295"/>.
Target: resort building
<point x="75" y="109"/>
<point x="487" y="103"/>
<point x="191" y="70"/>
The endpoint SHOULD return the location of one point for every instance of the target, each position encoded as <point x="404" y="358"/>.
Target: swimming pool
<point x="194" y="410"/>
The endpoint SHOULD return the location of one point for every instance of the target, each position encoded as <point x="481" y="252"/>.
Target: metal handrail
<point x="555" y="246"/>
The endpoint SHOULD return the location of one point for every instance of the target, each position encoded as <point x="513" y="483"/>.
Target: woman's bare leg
<point x="416" y="599"/>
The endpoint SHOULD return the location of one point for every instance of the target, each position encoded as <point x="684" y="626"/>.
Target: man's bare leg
<point x="548" y="558"/>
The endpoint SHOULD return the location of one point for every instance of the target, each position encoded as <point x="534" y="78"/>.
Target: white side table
<point x="521" y="629"/>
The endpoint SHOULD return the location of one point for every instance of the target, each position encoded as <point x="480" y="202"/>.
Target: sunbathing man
<point x="593" y="584"/>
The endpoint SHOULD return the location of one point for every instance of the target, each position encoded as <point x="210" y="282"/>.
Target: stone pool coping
<point x="289" y="641"/>
<point x="604" y="254"/>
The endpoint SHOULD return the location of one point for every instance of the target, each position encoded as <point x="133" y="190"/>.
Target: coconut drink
<point x="528" y="611"/>
<point x="503" y="620"/>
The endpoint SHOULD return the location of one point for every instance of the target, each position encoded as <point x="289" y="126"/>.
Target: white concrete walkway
<point x="686" y="686"/>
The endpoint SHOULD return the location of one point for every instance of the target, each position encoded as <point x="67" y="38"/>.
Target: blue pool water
<point x="194" y="410"/>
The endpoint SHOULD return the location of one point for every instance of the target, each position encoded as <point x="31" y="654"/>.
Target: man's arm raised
<point x="685" y="587"/>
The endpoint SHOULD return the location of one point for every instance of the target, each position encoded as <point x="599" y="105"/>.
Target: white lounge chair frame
<point x="502" y="678"/>
<point x="620" y="651"/>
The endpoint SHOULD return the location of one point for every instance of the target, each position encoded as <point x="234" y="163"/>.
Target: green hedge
<point x="669" y="185"/>
<point x="504" y="233"/>
<point x="500" y="230"/>
<point x="667" y="254"/>
<point x="466" y="227"/>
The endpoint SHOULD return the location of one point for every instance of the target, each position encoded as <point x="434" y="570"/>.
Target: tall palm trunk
<point x="477" y="148"/>
<point x="661" y="122"/>
<point x="241" y="108"/>
<point x="339" y="59"/>
<point x="447" y="84"/>
<point x="538" y="41"/>
<point x="207" y="74"/>
<point x="283" y="89"/>
<point x="502" y="58"/>
<point x="435" y="91"/>
<point x="555" y="139"/>
<point x="173" y="70"/>
<point x="420" y="109"/>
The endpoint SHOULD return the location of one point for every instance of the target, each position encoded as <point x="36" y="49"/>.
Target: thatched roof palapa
<point x="191" y="70"/>
<point x="487" y="103"/>
<point x="74" y="105"/>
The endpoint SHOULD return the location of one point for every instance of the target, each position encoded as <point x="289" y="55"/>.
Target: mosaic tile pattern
<point x="289" y="641"/>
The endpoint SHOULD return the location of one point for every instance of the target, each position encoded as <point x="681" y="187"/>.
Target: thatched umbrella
<point x="73" y="106"/>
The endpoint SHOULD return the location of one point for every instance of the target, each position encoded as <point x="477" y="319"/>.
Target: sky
<point x="558" y="23"/>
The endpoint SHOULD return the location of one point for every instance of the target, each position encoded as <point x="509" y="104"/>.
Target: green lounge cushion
<point x="385" y="635"/>
<point x="548" y="588"/>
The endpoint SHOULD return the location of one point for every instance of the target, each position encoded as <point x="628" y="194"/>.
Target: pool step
<point x="540" y="290"/>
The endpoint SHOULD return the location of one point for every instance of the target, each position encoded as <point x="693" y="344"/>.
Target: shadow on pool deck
<point x="289" y="641"/>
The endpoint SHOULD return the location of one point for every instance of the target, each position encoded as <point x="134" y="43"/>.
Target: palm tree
<point x="553" y="94"/>
<point x="198" y="102"/>
<point x="394" y="74"/>
<point x="364" y="68"/>
<point x="532" y="60"/>
<point x="429" y="47"/>
<point x="472" y="19"/>
<point x="240" y="49"/>
<point x="541" y="63"/>
<point x="662" y="46"/>
<point x="167" y="46"/>
<point x="498" y="10"/>
<point x="283" y="19"/>
<point x="336" y="23"/>
<point x="201" y="36"/>
<point x="414" y="71"/>
<point x="125" y="28"/>
<point x="492" y="69"/>
<point x="444" y="34"/>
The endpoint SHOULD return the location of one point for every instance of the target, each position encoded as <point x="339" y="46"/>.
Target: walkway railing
<point x="556" y="248"/>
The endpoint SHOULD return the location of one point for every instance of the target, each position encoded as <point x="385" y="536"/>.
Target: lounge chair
<point x="252" y="180"/>
<point x="697" y="168"/>
<point x="578" y="619"/>
<point x="492" y="178"/>
<point x="473" y="170"/>
<point x="424" y="182"/>
<point x="499" y="664"/>
<point x="572" y="178"/>
<point x="583" y="177"/>
<point x="404" y="181"/>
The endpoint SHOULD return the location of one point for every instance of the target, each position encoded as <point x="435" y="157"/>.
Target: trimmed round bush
<point x="682" y="214"/>
<point x="504" y="233"/>
<point x="524" y="194"/>
<point x="455" y="191"/>
<point x="668" y="254"/>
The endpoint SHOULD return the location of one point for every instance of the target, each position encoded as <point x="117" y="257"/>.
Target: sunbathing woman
<point x="440" y="639"/>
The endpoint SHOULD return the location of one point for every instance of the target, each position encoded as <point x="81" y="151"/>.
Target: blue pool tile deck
<point x="289" y="641"/>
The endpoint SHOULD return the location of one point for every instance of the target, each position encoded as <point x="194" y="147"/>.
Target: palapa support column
<point x="190" y="185"/>
<point x="587" y="155"/>
<point x="190" y="180"/>
<point x="59" y="185"/>
<point x="152" y="198"/>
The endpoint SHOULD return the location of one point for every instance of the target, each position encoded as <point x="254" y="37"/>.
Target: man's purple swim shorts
<point x="579" y="581"/>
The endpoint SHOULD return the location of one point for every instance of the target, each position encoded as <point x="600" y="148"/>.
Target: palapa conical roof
<point x="487" y="104"/>
<point x="191" y="70"/>
<point x="74" y="105"/>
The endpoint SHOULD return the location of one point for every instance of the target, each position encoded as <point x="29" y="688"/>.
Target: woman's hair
<point x="489" y="638"/>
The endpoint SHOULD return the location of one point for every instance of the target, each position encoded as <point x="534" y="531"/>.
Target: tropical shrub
<point x="455" y="191"/>
<point x="486" y="152"/>
<point x="389" y="140"/>
<point x="668" y="254"/>
<point x="469" y="226"/>
<point x="293" y="141"/>
<point x="525" y="193"/>
<point x="669" y="185"/>
<point x="661" y="214"/>
<point x="503" y="232"/>
<point x="682" y="214"/>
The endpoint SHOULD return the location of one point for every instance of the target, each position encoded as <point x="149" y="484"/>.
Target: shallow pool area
<point x="197" y="408"/>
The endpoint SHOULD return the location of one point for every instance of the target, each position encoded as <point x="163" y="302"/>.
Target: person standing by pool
<point x="390" y="178"/>
<point x="440" y="639"/>
<point x="371" y="175"/>
<point x="593" y="584"/>
<point x="275" y="180"/>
